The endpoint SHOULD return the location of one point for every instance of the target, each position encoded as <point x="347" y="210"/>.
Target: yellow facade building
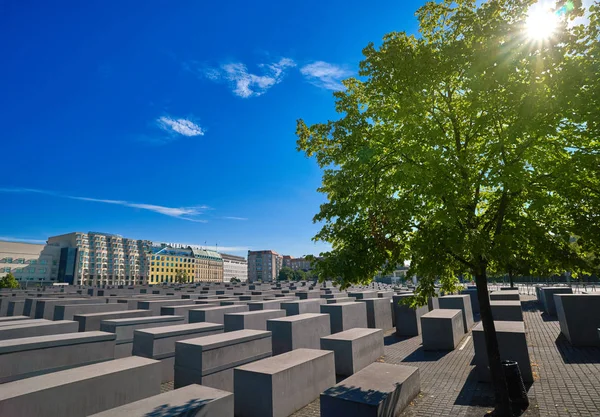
<point x="196" y="265"/>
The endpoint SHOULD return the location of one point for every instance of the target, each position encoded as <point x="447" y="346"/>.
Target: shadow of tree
<point x="394" y="338"/>
<point x="189" y="409"/>
<point x="358" y="401"/>
<point x="422" y="355"/>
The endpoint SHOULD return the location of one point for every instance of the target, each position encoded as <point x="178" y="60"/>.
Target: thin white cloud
<point x="183" y="127"/>
<point x="22" y="240"/>
<point x="234" y="218"/>
<point x="184" y="213"/>
<point x="325" y="75"/>
<point x="245" y="84"/>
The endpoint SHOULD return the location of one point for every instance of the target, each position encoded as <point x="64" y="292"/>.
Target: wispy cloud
<point x="325" y="75"/>
<point x="184" y="213"/>
<point x="181" y="126"/>
<point x="22" y="240"/>
<point x="234" y="218"/>
<point x="244" y="83"/>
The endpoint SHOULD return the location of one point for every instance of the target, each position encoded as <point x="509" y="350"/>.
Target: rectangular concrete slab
<point x="379" y="315"/>
<point x="346" y="316"/>
<point x="460" y="302"/>
<point x="512" y="343"/>
<point x="67" y="312"/>
<point x="442" y="329"/>
<point x="300" y="331"/>
<point x="287" y="383"/>
<point x="255" y="320"/>
<point x="293" y="308"/>
<point x="379" y="390"/>
<point x="214" y="314"/>
<point x="82" y="391"/>
<point x="193" y="400"/>
<point x="579" y="318"/>
<point x="506" y="310"/>
<point x="91" y="321"/>
<point x="407" y="319"/>
<point x="31" y="356"/>
<point x="354" y="349"/>
<point x="210" y="360"/>
<point x="46" y="327"/>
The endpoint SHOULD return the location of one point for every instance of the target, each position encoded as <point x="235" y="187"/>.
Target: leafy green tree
<point x="9" y="281"/>
<point x="235" y="280"/>
<point x="300" y="275"/>
<point x="181" y="277"/>
<point x="285" y="274"/>
<point x="463" y="150"/>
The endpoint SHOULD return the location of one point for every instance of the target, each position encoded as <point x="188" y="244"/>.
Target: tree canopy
<point x="463" y="148"/>
<point x="181" y="276"/>
<point x="9" y="281"/>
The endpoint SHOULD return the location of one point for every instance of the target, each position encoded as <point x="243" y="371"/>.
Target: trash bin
<point x="516" y="387"/>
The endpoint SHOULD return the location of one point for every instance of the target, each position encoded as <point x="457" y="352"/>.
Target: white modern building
<point x="29" y="263"/>
<point x="234" y="267"/>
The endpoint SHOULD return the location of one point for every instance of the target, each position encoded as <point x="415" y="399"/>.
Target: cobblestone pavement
<point x="567" y="379"/>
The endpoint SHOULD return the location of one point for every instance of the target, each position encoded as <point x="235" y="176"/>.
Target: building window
<point x="8" y="260"/>
<point x="42" y="270"/>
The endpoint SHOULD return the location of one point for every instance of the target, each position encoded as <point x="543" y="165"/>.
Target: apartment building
<point x="234" y="267"/>
<point x="300" y="264"/>
<point x="286" y="261"/>
<point x="264" y="265"/>
<point x="96" y="258"/>
<point x="209" y="265"/>
<point x="167" y="262"/>
<point x="29" y="263"/>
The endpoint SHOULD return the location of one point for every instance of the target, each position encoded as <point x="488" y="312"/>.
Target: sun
<point x="541" y="22"/>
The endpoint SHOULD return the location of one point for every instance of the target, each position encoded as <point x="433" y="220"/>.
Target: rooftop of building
<point x="233" y="257"/>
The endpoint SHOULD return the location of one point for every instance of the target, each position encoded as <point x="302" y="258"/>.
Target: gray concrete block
<point x="442" y="329"/>
<point x="339" y="300"/>
<point x="190" y="401"/>
<point x="44" y="309"/>
<point x="506" y="295"/>
<point x="12" y="320"/>
<point x="82" y="391"/>
<point x="31" y="356"/>
<point x="346" y="316"/>
<point x="67" y="312"/>
<point x="462" y="303"/>
<point x="265" y="305"/>
<point x="293" y="308"/>
<point x="254" y="320"/>
<point x="91" y="321"/>
<point x="379" y="315"/>
<point x="159" y="343"/>
<point x="301" y="331"/>
<point x="579" y="318"/>
<point x="155" y="305"/>
<point x="287" y="383"/>
<point x="182" y="310"/>
<point x="124" y="328"/>
<point x="354" y="349"/>
<point x="210" y="360"/>
<point x="512" y="343"/>
<point x="506" y="310"/>
<point x="474" y="300"/>
<point x="408" y="320"/>
<point x="41" y="328"/>
<point x="306" y="295"/>
<point x="548" y="297"/>
<point x="379" y="390"/>
<point x="15" y="307"/>
<point x="361" y="295"/>
<point x="214" y="314"/>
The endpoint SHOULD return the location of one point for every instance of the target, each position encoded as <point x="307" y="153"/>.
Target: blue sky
<point x="173" y="120"/>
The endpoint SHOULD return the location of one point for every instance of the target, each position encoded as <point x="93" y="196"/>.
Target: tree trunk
<point x="511" y="279"/>
<point x="503" y="403"/>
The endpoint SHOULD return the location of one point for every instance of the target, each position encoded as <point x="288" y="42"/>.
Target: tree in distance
<point x="181" y="277"/>
<point x="9" y="281"/>
<point x="469" y="149"/>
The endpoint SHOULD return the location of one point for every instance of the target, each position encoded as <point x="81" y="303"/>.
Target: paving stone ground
<point x="567" y="379"/>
